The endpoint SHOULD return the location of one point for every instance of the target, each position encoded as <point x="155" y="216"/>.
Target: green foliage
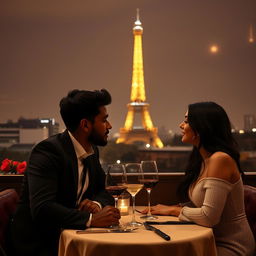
<point x="123" y="152"/>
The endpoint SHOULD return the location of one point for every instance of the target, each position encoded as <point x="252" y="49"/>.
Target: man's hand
<point x="89" y="206"/>
<point x="108" y="216"/>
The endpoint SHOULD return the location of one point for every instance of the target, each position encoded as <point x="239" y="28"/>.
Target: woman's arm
<point x="209" y="214"/>
<point x="162" y="209"/>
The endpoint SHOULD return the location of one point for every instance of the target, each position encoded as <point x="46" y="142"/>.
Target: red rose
<point x="21" y="167"/>
<point x="15" y="163"/>
<point x="6" y="165"/>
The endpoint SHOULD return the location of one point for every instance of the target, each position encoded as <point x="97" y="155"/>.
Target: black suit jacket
<point x="48" y="200"/>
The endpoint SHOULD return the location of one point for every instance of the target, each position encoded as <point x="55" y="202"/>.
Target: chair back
<point x="8" y="203"/>
<point x="250" y="207"/>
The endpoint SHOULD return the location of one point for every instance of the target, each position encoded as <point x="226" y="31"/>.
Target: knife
<point x="157" y="231"/>
<point x="97" y="231"/>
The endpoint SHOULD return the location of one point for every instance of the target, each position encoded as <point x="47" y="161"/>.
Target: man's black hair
<point x="80" y="104"/>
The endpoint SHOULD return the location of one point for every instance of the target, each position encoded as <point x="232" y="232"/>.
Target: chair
<point x="8" y="203"/>
<point x="250" y="207"/>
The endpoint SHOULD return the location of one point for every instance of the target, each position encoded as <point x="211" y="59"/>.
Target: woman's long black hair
<point x="211" y="123"/>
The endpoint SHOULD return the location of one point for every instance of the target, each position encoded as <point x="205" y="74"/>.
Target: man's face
<point x="100" y="128"/>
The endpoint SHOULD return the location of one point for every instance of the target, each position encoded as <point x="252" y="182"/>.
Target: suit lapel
<point x="91" y="173"/>
<point x="71" y="155"/>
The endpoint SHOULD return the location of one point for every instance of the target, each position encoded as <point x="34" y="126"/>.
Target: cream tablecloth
<point x="186" y="240"/>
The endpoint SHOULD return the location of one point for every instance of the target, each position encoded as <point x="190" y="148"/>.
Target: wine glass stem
<point x="133" y="209"/>
<point x="116" y="199"/>
<point x="149" y="210"/>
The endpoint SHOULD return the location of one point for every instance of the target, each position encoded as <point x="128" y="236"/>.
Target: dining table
<point x="185" y="239"/>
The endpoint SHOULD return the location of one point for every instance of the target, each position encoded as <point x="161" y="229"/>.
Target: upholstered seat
<point x="250" y="206"/>
<point x="8" y="203"/>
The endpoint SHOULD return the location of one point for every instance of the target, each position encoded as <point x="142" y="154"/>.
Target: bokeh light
<point x="214" y="49"/>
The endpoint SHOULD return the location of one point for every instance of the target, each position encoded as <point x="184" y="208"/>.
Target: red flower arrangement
<point x="12" y="167"/>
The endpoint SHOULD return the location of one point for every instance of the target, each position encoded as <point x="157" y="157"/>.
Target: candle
<point x="123" y="205"/>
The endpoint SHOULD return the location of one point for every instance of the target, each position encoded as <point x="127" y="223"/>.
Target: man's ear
<point x="85" y="124"/>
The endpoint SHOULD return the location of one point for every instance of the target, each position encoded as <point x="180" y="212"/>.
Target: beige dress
<point x="219" y="204"/>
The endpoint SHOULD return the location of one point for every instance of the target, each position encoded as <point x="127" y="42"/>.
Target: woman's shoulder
<point x="221" y="165"/>
<point x="220" y="156"/>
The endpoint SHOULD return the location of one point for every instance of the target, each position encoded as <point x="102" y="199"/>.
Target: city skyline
<point x="49" y="49"/>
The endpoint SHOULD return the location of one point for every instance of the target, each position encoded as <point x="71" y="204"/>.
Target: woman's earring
<point x="195" y="136"/>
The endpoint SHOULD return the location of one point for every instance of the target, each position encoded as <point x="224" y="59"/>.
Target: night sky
<point x="49" y="47"/>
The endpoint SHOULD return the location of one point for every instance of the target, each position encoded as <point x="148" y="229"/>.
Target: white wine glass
<point x="115" y="180"/>
<point x="133" y="175"/>
<point x="149" y="179"/>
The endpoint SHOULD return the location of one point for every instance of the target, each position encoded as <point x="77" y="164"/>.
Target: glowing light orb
<point x="147" y="145"/>
<point x="214" y="49"/>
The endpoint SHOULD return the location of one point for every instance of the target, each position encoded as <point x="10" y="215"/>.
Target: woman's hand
<point x="162" y="209"/>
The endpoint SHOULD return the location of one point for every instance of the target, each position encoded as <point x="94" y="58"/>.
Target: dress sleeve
<point x="215" y="196"/>
<point x="189" y="204"/>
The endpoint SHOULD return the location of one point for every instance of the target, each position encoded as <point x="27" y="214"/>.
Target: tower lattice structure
<point x="144" y="131"/>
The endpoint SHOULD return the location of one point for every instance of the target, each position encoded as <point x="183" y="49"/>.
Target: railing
<point x="163" y="193"/>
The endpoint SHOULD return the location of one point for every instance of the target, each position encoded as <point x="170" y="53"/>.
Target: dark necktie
<point x="85" y="162"/>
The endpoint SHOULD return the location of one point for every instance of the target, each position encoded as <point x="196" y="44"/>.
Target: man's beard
<point x="96" y="139"/>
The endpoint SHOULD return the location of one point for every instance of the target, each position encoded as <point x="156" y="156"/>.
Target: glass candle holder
<point x="123" y="204"/>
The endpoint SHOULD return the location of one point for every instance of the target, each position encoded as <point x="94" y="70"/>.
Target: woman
<point x="213" y="180"/>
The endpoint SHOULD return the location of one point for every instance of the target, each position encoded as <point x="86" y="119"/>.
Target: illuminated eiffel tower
<point x="143" y="131"/>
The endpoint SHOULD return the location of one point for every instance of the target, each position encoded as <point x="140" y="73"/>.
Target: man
<point x="64" y="185"/>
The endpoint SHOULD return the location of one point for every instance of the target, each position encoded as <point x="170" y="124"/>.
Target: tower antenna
<point x="138" y="14"/>
<point x="251" y="39"/>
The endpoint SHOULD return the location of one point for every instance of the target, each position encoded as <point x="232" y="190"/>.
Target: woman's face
<point x="188" y="135"/>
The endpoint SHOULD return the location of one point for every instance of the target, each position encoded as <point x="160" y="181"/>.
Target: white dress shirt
<point x="82" y="154"/>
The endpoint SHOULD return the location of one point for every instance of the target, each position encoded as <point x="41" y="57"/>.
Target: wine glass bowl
<point x="115" y="185"/>
<point x="115" y="180"/>
<point x="133" y="174"/>
<point x="149" y="178"/>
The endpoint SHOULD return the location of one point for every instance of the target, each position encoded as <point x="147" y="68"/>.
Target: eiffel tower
<point x="144" y="130"/>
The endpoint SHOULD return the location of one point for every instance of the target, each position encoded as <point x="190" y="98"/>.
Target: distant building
<point x="249" y="122"/>
<point x="169" y="159"/>
<point x="27" y="131"/>
<point x="246" y="141"/>
<point x="175" y="158"/>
